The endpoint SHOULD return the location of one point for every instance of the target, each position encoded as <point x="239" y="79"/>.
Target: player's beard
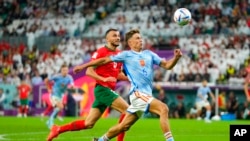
<point x="115" y="44"/>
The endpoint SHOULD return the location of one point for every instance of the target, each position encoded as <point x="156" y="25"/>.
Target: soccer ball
<point x="182" y="16"/>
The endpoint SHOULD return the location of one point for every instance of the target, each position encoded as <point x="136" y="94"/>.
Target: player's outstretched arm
<point x="91" y="72"/>
<point x="169" y="64"/>
<point x="96" y="62"/>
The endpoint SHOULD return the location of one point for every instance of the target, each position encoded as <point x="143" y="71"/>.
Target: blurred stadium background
<point x="38" y="36"/>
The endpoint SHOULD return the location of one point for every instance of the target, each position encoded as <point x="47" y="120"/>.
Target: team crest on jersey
<point x="142" y="62"/>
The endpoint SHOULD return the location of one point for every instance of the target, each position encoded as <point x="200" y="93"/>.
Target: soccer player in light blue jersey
<point x="138" y="65"/>
<point x="61" y="83"/>
<point x="202" y="100"/>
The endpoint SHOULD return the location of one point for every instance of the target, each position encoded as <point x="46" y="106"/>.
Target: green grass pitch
<point x="35" y="129"/>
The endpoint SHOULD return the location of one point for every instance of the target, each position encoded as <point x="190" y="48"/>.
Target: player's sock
<point x="120" y="136"/>
<point x="21" y="109"/>
<point x="52" y="116"/>
<point x="169" y="136"/>
<point x="73" y="126"/>
<point x="208" y="114"/>
<point x="54" y="113"/>
<point x="47" y="110"/>
<point x="104" y="138"/>
<point x="26" y="109"/>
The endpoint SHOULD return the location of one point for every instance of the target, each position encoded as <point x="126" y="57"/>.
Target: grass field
<point x="34" y="129"/>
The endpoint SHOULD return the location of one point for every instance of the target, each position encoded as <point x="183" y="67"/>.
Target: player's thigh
<point x="128" y="120"/>
<point x="108" y="97"/>
<point x="157" y="107"/>
<point x="93" y="116"/>
<point x="119" y="104"/>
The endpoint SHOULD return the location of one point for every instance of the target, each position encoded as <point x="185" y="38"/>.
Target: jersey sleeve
<point x="199" y="91"/>
<point x="209" y="90"/>
<point x="119" y="57"/>
<point x="96" y="55"/>
<point x="53" y="78"/>
<point x="156" y="59"/>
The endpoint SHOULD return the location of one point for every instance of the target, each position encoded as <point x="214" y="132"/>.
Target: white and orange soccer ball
<point x="182" y="16"/>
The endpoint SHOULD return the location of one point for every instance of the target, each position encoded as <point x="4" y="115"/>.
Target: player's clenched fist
<point x="77" y="69"/>
<point x="177" y="53"/>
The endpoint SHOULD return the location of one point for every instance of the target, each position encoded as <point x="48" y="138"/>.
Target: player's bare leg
<point x="161" y="109"/>
<point x="126" y="123"/>
<point x="120" y="105"/>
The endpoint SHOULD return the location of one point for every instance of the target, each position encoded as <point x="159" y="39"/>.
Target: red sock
<point x="21" y="109"/>
<point x="73" y="126"/>
<point x="47" y="110"/>
<point x="120" y="136"/>
<point x="26" y="109"/>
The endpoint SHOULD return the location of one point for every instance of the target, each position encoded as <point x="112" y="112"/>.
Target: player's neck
<point x="110" y="47"/>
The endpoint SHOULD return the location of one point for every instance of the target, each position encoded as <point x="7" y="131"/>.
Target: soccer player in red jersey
<point x="247" y="92"/>
<point x="24" y="90"/>
<point x="105" y="96"/>
<point x="247" y="82"/>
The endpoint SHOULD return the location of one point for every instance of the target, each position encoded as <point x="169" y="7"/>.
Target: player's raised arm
<point x="91" y="72"/>
<point x="47" y="84"/>
<point x="96" y="62"/>
<point x="169" y="64"/>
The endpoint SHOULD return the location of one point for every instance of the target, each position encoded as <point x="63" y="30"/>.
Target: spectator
<point x="232" y="104"/>
<point x="179" y="111"/>
<point x="37" y="79"/>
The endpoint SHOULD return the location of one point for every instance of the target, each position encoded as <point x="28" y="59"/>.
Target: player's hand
<point x="177" y="53"/>
<point x="109" y="79"/>
<point x="77" y="69"/>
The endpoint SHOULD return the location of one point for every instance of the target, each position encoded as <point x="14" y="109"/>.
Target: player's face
<point x="204" y="83"/>
<point x="64" y="71"/>
<point x="113" y="38"/>
<point x="136" y="41"/>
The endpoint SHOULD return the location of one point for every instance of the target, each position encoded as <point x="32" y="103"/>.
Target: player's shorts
<point x="201" y="104"/>
<point x="104" y="97"/>
<point x="54" y="100"/>
<point x="140" y="103"/>
<point x="24" y="102"/>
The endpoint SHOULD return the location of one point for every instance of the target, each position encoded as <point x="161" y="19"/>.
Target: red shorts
<point x="249" y="92"/>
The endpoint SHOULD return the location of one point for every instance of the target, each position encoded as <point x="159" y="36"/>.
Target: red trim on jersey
<point x="111" y="69"/>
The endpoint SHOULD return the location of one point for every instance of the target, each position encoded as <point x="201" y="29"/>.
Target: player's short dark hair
<point x="130" y="34"/>
<point x="64" y="66"/>
<point x="109" y="30"/>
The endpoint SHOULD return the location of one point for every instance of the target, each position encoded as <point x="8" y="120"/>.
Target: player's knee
<point x="164" y="109"/>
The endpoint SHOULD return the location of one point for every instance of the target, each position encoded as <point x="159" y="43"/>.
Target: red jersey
<point x="24" y="91"/>
<point x="111" y="69"/>
<point x="247" y="79"/>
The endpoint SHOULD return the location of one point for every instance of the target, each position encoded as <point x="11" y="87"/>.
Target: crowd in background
<point x="215" y="44"/>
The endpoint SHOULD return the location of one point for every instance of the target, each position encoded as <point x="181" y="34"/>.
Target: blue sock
<point x="103" y="138"/>
<point x="52" y="116"/>
<point x="208" y="114"/>
<point x="170" y="139"/>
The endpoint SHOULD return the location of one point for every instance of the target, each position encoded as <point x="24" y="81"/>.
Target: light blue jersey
<point x="204" y="91"/>
<point x="60" y="84"/>
<point x="139" y="68"/>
